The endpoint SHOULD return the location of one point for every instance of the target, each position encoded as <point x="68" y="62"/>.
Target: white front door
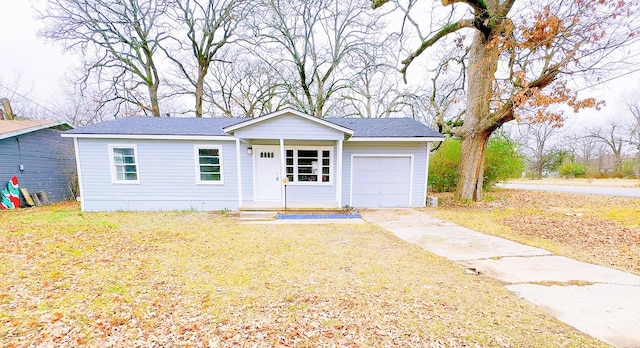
<point x="267" y="173"/>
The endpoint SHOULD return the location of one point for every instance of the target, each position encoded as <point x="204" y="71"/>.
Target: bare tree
<point x="307" y="43"/>
<point x="118" y="39"/>
<point x="208" y="26"/>
<point x="585" y="149"/>
<point x="614" y="140"/>
<point x="244" y="87"/>
<point x="535" y="139"/>
<point x="634" y="133"/>
<point x="519" y="56"/>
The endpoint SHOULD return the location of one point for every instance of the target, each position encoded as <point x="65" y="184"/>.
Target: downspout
<point x="7" y="111"/>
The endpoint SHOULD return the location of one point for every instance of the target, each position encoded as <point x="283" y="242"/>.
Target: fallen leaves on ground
<point x="193" y="279"/>
<point x="592" y="228"/>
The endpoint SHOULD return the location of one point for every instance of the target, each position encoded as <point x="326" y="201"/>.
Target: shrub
<point x="443" y="166"/>
<point x="572" y="169"/>
<point x="501" y="162"/>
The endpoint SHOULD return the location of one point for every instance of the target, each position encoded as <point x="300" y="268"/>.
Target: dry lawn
<point x="201" y="279"/>
<point x="596" y="229"/>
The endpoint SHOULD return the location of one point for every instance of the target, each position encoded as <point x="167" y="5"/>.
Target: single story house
<point x="34" y="152"/>
<point x="286" y="157"/>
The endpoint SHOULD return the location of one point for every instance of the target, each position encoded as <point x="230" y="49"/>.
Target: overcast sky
<point x="39" y="66"/>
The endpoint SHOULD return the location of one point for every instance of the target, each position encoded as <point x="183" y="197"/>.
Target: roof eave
<point x="34" y="128"/>
<point x="148" y="136"/>
<point x="396" y="139"/>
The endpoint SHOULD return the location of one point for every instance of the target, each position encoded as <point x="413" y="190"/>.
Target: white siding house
<point x="286" y="157"/>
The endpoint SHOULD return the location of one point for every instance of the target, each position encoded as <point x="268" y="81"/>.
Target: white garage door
<point x="381" y="182"/>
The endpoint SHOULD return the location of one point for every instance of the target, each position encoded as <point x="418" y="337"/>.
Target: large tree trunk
<point x="470" y="176"/>
<point x="199" y="93"/>
<point x="478" y="126"/>
<point x="155" y="106"/>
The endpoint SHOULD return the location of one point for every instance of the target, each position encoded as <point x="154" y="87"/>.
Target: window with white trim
<point x="209" y="164"/>
<point x="124" y="164"/>
<point x="308" y="165"/>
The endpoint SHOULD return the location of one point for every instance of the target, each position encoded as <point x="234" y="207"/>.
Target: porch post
<point x="239" y="169"/>
<point x="283" y="161"/>
<point x="338" y="174"/>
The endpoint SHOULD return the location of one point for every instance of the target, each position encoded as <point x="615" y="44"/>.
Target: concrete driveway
<point x="599" y="301"/>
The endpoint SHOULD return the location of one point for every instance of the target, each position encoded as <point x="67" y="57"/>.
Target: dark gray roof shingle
<point x="160" y="126"/>
<point x="362" y="127"/>
<point x="385" y="127"/>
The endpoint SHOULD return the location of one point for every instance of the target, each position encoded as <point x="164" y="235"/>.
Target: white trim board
<point x="112" y="165"/>
<point x="196" y="154"/>
<point x="411" y="168"/>
<point x="395" y="139"/>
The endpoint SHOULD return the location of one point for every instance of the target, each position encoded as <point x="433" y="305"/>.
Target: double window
<point x="308" y="165"/>
<point x="124" y="164"/>
<point x="209" y="164"/>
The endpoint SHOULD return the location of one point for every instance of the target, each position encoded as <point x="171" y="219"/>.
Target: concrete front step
<point x="262" y="215"/>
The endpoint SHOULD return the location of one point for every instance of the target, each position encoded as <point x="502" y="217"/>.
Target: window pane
<point x="209" y="177"/>
<point x="209" y="160"/>
<point x="131" y="176"/>
<point x="307" y="178"/>
<point x="289" y="161"/>
<point x="210" y="169"/>
<point x="289" y="170"/>
<point x="325" y="162"/>
<point x="305" y="170"/>
<point x="208" y="152"/>
<point x="325" y="178"/>
<point x="325" y="154"/>
<point x="308" y="153"/>
<point x="123" y="151"/>
<point x="289" y="153"/>
<point x="130" y="169"/>
<point x="290" y="177"/>
<point x="304" y="162"/>
<point x="325" y="170"/>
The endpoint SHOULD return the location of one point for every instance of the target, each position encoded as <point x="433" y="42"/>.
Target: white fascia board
<point x="395" y="139"/>
<point x="237" y="126"/>
<point x="150" y="136"/>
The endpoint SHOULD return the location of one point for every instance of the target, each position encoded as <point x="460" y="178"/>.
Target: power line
<point x="609" y="79"/>
<point x="28" y="99"/>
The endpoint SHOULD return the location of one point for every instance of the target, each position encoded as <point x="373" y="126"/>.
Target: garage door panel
<point x="381" y="181"/>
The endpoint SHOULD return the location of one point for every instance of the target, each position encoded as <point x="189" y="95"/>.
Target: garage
<point x="381" y="181"/>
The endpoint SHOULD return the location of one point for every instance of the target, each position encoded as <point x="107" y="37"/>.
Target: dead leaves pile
<point x="597" y="229"/>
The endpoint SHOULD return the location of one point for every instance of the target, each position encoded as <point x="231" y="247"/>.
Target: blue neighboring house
<point x="150" y="163"/>
<point x="38" y="156"/>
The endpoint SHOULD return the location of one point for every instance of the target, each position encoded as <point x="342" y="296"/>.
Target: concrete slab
<point x="460" y="243"/>
<point x="608" y="312"/>
<point x="550" y="268"/>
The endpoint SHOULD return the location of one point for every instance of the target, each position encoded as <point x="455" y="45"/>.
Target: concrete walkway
<point x="600" y="301"/>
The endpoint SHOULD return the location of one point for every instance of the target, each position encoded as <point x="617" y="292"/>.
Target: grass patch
<point x="194" y="278"/>
<point x="569" y="283"/>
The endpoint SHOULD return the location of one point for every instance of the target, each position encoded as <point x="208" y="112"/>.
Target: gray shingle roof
<point x="362" y="127"/>
<point x="160" y="126"/>
<point x="385" y="127"/>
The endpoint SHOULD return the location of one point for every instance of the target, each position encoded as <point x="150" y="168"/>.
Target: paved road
<point x="600" y="301"/>
<point x="594" y="190"/>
